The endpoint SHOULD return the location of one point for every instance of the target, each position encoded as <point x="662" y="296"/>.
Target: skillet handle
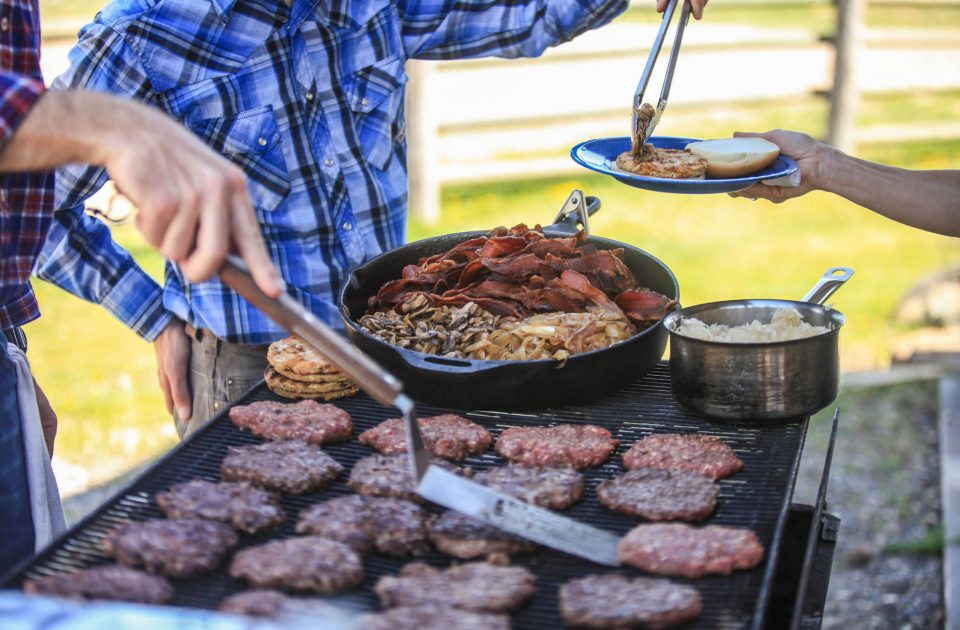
<point x="573" y="215"/>
<point x="433" y="363"/>
<point x="832" y="280"/>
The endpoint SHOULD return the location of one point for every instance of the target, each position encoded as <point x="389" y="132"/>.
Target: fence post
<point x="423" y="155"/>
<point x="844" y="98"/>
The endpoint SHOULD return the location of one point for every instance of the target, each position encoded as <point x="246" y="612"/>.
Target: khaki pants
<point x="220" y="372"/>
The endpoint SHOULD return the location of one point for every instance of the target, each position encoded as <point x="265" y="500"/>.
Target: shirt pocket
<point x="375" y="95"/>
<point x="251" y="139"/>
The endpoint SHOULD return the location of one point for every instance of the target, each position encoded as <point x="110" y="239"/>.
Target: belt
<point x="17" y="337"/>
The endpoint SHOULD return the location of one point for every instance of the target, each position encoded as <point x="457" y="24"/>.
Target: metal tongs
<point x="642" y="126"/>
<point x="432" y="482"/>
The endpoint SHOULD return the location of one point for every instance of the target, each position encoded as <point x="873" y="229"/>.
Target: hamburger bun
<point x="735" y="157"/>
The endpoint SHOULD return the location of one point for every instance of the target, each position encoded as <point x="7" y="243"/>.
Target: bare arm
<point x="193" y="203"/>
<point x="928" y="200"/>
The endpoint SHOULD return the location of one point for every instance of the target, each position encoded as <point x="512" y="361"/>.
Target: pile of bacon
<point x="520" y="272"/>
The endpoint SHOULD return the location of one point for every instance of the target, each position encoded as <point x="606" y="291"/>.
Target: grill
<point x="757" y="497"/>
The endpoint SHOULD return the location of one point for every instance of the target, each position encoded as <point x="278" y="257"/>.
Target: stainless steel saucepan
<point x="767" y="381"/>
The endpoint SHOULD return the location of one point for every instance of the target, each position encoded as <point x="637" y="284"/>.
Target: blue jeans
<point x="16" y="522"/>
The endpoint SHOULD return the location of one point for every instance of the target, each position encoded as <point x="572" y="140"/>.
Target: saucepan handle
<point x="454" y="366"/>
<point x="828" y="284"/>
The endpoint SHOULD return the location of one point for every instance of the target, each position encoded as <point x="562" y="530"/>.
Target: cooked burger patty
<point x="395" y="527"/>
<point x="704" y="454"/>
<point x="432" y="617"/>
<point x="381" y="476"/>
<point x="616" y="601"/>
<point x="301" y="564"/>
<point x="276" y="605"/>
<point x="109" y="581"/>
<point x="554" y="488"/>
<point x="477" y="586"/>
<point x="177" y="548"/>
<point x="577" y="445"/>
<point x="245" y="507"/>
<point x="668" y="163"/>
<point x="448" y="436"/>
<point x="306" y="420"/>
<point x="691" y="552"/>
<point x="288" y="466"/>
<point x="660" y="495"/>
<point x="463" y="537"/>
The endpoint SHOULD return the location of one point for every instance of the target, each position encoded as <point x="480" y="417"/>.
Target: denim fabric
<point x="16" y="523"/>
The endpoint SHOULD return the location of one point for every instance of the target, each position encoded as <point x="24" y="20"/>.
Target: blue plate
<point x="601" y="155"/>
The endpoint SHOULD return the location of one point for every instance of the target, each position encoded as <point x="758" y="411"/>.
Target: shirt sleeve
<point x="80" y="255"/>
<point x="17" y="95"/>
<point x="445" y="29"/>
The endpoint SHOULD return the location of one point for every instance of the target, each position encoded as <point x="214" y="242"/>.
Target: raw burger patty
<point x="300" y="564"/>
<point x="306" y="420"/>
<point x="177" y="548"/>
<point x="660" y="495"/>
<point x="245" y="507"/>
<point x="691" y="552"/>
<point x="289" y="466"/>
<point x="616" y="601"/>
<point x="274" y="604"/>
<point x="396" y="527"/>
<point x="109" y="581"/>
<point x="463" y="537"/>
<point x="478" y="586"/>
<point x="432" y="617"/>
<point x="554" y="488"/>
<point x="448" y="436"/>
<point x="380" y="476"/>
<point x="577" y="445"/>
<point x="704" y="454"/>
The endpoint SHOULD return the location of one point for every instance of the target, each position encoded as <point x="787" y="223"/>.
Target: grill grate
<point x="757" y="498"/>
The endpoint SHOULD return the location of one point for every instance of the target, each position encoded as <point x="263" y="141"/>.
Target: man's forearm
<point x="895" y="192"/>
<point x="64" y="128"/>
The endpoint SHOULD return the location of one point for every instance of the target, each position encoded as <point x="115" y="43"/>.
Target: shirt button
<point x="309" y="97"/>
<point x="365" y="101"/>
<point x="4" y="23"/>
<point x="262" y="142"/>
<point x="347" y="226"/>
<point x="328" y="161"/>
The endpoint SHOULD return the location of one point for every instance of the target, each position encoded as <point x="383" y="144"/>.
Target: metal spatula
<point x="432" y="483"/>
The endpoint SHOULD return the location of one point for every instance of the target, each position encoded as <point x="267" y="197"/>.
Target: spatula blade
<point x="516" y="517"/>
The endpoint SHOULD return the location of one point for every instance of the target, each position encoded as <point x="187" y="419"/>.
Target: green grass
<point x="931" y="543"/>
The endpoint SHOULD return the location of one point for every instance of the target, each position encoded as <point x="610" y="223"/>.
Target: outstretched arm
<point x="928" y="200"/>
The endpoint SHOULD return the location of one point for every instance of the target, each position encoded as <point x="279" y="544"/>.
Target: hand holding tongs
<point x="432" y="482"/>
<point x="645" y="119"/>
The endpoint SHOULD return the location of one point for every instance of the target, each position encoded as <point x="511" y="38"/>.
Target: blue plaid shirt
<point x="308" y="100"/>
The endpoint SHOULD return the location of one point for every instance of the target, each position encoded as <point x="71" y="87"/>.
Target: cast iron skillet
<point x="509" y="385"/>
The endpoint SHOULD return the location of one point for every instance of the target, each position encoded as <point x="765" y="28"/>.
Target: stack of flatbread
<point x="297" y="371"/>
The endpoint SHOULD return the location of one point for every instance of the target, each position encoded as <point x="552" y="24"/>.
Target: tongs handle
<point x="652" y="60"/>
<point x="296" y="319"/>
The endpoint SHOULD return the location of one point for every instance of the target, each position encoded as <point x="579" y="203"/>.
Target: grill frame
<point x="644" y="407"/>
